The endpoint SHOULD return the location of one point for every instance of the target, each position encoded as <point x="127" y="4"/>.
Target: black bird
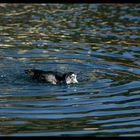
<point x="52" y="76"/>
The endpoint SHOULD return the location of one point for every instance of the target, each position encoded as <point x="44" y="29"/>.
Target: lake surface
<point x="100" y="42"/>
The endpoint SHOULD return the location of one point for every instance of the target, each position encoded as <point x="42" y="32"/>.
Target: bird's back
<point x="47" y="76"/>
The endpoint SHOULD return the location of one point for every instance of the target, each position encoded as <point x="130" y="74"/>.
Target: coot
<point x="52" y="76"/>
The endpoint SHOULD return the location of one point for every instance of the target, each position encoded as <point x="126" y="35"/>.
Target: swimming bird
<point x="52" y="76"/>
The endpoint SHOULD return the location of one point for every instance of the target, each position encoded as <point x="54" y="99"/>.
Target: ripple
<point x="105" y="56"/>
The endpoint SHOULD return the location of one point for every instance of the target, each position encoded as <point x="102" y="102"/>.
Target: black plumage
<point x="51" y="76"/>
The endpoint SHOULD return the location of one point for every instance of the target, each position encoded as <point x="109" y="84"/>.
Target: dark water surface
<point x="100" y="42"/>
